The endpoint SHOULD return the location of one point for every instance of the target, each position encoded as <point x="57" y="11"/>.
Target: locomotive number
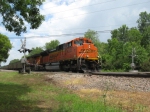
<point x="87" y="51"/>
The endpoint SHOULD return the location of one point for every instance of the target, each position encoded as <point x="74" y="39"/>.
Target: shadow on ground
<point x="10" y="100"/>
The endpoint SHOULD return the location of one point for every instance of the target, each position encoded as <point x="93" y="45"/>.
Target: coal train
<point x="77" y="55"/>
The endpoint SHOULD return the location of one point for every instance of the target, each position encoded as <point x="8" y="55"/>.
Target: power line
<point x="82" y="6"/>
<point x="89" y="27"/>
<point x="47" y="36"/>
<point x="56" y="1"/>
<point x="71" y="34"/>
<point x="101" y="10"/>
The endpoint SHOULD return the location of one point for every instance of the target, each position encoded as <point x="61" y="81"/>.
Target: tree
<point x="146" y="66"/>
<point x="115" y="51"/>
<point x="36" y="50"/>
<point x="52" y="44"/>
<point x="144" y="28"/>
<point x="140" y="52"/>
<point x="121" y="33"/>
<point x="120" y="46"/>
<point x="14" y="60"/>
<point x="134" y="35"/>
<point x="146" y="38"/>
<point x="93" y="35"/>
<point x="5" y="46"/>
<point x="16" y="12"/>
<point x="143" y="21"/>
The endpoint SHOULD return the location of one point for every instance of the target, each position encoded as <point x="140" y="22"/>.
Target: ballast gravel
<point x="77" y="81"/>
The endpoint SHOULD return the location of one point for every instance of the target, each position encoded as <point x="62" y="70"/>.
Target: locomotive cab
<point x="79" y="54"/>
<point x="87" y="55"/>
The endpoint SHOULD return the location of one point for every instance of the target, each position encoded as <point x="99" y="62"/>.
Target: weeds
<point x="31" y="93"/>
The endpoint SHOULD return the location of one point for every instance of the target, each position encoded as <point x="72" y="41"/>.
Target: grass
<point x="113" y="70"/>
<point x="125" y="100"/>
<point x="33" y="93"/>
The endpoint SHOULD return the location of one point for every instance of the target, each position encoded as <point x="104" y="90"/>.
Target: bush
<point x="126" y="66"/>
<point x="145" y="66"/>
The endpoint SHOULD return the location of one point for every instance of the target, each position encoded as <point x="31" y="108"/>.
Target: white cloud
<point x="75" y="16"/>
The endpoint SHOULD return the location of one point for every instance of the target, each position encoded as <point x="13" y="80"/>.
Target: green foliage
<point x="143" y="21"/>
<point x="120" y="46"/>
<point x="35" y="51"/>
<point x="146" y="38"/>
<point x="16" y="12"/>
<point x="134" y="35"/>
<point x="102" y="47"/>
<point x="126" y="66"/>
<point x="144" y="28"/>
<point x="107" y="62"/>
<point x="148" y="49"/>
<point x="145" y="66"/>
<point x="121" y="33"/>
<point x="142" y="55"/>
<point x="52" y="44"/>
<point x="93" y="35"/>
<point x="14" y="60"/>
<point x="115" y="51"/>
<point x="5" y="46"/>
<point x="125" y="34"/>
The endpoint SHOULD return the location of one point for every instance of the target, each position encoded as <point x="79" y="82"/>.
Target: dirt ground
<point x="132" y="94"/>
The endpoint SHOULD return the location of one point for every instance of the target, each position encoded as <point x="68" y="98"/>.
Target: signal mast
<point x="23" y="48"/>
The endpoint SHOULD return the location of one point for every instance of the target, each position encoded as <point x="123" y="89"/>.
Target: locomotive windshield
<point x="78" y="42"/>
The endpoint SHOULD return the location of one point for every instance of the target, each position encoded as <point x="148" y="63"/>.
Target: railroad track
<point x="124" y="74"/>
<point x="117" y="74"/>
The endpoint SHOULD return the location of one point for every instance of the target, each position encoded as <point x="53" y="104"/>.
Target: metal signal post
<point x="133" y="56"/>
<point x="23" y="60"/>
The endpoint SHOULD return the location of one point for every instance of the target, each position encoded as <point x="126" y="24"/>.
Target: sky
<point x="77" y="16"/>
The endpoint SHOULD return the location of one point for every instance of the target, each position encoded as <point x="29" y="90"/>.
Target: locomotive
<point x="77" y="55"/>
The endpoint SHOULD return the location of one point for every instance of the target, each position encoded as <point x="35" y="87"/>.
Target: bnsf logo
<point x="87" y="51"/>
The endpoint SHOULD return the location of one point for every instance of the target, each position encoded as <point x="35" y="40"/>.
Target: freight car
<point x="79" y="54"/>
<point x="18" y="66"/>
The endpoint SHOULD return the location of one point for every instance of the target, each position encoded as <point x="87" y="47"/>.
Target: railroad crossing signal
<point x="133" y="56"/>
<point x="24" y="50"/>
